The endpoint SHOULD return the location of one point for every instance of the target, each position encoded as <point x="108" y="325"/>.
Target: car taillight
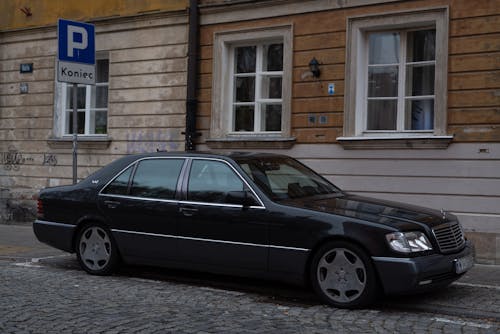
<point x="39" y="208"/>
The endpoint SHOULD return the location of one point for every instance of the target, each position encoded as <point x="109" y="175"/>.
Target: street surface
<point x="43" y="290"/>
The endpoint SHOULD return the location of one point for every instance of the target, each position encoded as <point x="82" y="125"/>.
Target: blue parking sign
<point x="75" y="52"/>
<point x="76" y="42"/>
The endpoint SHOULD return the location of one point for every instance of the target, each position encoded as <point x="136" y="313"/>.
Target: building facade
<point x="137" y="105"/>
<point x="405" y="105"/>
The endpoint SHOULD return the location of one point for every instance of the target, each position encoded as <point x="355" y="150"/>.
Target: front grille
<point x="449" y="236"/>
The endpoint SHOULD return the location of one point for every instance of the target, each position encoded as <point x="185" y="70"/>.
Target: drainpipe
<point x="192" y="73"/>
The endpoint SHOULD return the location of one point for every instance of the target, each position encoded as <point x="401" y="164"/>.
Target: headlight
<point x="408" y="242"/>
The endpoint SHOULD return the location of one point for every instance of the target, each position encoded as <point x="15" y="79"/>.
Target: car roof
<point x="232" y="155"/>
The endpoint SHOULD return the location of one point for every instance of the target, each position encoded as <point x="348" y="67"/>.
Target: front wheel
<point x="96" y="250"/>
<point x="343" y="275"/>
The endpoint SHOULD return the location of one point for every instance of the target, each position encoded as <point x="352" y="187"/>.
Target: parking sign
<point x="76" y="52"/>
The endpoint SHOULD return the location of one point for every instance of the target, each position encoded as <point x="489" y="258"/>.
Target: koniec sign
<point x="76" y="52"/>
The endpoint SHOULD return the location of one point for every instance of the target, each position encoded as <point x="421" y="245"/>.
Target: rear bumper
<point x="409" y="275"/>
<point x="56" y="235"/>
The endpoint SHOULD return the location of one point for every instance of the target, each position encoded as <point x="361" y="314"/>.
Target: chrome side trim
<point x="392" y="259"/>
<point x="211" y="240"/>
<point x="44" y="222"/>
<point x="238" y="206"/>
<point x="147" y="199"/>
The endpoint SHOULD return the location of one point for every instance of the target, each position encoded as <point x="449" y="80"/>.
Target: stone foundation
<point x="487" y="247"/>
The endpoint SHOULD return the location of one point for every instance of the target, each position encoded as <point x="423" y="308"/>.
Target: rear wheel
<point x="96" y="250"/>
<point x="343" y="275"/>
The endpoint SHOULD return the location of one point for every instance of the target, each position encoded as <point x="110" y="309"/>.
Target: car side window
<point x="119" y="186"/>
<point x="211" y="181"/>
<point x="156" y="178"/>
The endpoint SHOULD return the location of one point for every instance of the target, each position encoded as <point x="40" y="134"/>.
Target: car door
<point x="141" y="207"/>
<point x="216" y="231"/>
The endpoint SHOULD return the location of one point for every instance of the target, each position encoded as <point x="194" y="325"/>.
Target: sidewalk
<point x="19" y="243"/>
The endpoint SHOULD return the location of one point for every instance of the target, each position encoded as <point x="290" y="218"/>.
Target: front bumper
<point x="57" y="235"/>
<point x="408" y="275"/>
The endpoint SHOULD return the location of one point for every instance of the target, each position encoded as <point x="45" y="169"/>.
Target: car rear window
<point x="156" y="178"/>
<point x="119" y="186"/>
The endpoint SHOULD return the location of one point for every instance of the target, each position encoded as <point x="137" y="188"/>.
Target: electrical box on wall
<point x="26" y="68"/>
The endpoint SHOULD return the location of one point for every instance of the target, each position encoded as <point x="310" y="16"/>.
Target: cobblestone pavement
<point x="54" y="296"/>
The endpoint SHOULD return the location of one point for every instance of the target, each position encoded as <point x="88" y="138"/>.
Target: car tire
<point x="343" y="275"/>
<point x="96" y="250"/>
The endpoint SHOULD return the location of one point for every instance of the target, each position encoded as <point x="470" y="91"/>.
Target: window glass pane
<point x="383" y="81"/>
<point x="384" y="48"/>
<point x="273" y="57"/>
<point x="101" y="122"/>
<point x="283" y="178"/>
<point x="120" y="185"/>
<point x="245" y="59"/>
<point x="156" y="178"/>
<point x="271" y="87"/>
<point x="101" y="96"/>
<point x="80" y="97"/>
<point x="80" y="120"/>
<point x="381" y="115"/>
<point x="102" y="70"/>
<point x="421" y="45"/>
<point x="245" y="89"/>
<point x="419" y="114"/>
<point x="243" y="118"/>
<point x="271" y="119"/>
<point x="211" y="181"/>
<point x="419" y="80"/>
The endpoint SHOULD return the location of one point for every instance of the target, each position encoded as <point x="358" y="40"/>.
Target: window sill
<point x="87" y="142"/>
<point x="251" y="143"/>
<point x="410" y="142"/>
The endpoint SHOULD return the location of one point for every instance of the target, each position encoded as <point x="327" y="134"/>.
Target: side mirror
<point x="242" y="197"/>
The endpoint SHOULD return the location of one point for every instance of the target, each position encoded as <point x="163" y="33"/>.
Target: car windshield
<point x="284" y="178"/>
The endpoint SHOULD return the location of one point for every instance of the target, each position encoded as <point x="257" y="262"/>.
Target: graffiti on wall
<point x="13" y="159"/>
<point x="145" y="141"/>
<point x="49" y="160"/>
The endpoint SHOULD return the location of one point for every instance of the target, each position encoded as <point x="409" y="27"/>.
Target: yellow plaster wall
<point x="46" y="12"/>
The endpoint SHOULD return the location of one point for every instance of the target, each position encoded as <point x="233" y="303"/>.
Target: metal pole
<point x="191" y="101"/>
<point x="75" y="132"/>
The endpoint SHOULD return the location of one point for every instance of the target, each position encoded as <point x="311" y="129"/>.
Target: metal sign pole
<point x="75" y="132"/>
<point x="76" y="65"/>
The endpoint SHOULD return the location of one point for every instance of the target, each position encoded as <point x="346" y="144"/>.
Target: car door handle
<point x="112" y="204"/>
<point x="188" y="211"/>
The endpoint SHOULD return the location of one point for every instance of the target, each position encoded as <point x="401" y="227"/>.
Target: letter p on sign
<point x="72" y="39"/>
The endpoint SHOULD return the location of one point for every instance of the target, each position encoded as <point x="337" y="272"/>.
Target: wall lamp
<point x="314" y="67"/>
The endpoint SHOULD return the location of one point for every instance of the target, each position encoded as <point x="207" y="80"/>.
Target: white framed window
<point x="400" y="86"/>
<point x="257" y="76"/>
<point x="396" y="76"/>
<point x="252" y="83"/>
<point x="92" y="104"/>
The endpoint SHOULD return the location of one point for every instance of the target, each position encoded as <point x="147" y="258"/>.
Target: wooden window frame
<point x="221" y="134"/>
<point x="355" y="135"/>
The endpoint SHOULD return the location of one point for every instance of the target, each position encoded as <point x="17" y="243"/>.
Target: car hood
<point x="398" y="215"/>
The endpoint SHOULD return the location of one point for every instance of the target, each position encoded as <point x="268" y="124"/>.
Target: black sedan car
<point x="252" y="214"/>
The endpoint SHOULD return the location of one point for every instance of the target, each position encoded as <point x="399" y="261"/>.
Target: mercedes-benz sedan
<point x="252" y="214"/>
